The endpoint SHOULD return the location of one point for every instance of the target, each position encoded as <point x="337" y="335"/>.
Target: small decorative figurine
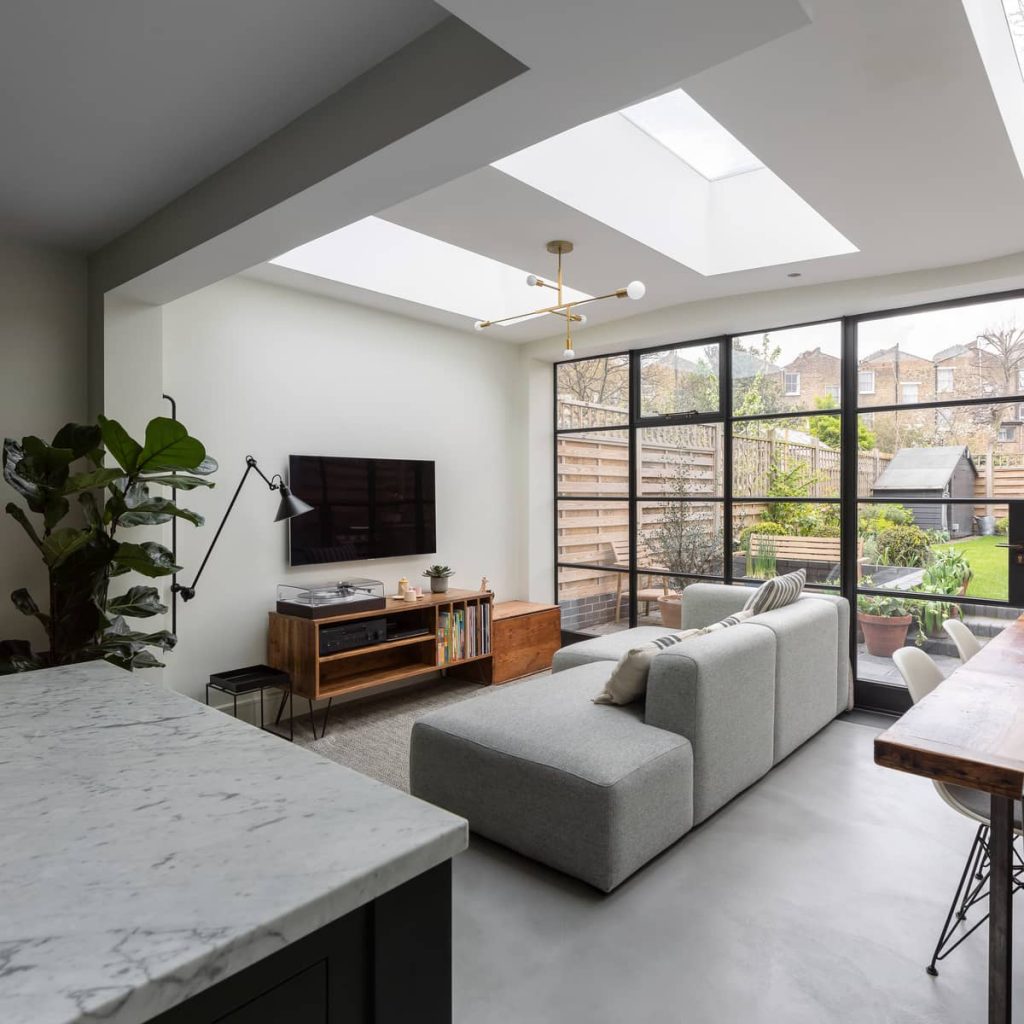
<point x="403" y="586"/>
<point x="483" y="584"/>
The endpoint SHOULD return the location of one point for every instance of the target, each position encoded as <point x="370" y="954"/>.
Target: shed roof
<point x="923" y="469"/>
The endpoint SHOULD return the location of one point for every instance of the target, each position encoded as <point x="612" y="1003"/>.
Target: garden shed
<point x="916" y="473"/>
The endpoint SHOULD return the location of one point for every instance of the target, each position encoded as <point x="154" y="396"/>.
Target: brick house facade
<point x="892" y="376"/>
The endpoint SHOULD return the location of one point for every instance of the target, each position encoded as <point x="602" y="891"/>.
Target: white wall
<point x="42" y="387"/>
<point x="268" y="371"/>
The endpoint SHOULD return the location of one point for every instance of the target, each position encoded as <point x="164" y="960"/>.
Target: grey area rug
<point x="372" y="736"/>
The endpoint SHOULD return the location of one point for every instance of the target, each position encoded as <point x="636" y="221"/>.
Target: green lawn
<point x="989" y="564"/>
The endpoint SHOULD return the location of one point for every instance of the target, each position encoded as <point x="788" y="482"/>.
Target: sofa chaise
<point x="597" y="790"/>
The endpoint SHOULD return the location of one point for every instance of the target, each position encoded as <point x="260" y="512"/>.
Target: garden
<point x="895" y="554"/>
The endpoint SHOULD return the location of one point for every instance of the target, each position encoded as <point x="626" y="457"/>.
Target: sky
<point x="922" y="334"/>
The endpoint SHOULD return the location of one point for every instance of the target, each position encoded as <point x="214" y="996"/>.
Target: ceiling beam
<point x="252" y="209"/>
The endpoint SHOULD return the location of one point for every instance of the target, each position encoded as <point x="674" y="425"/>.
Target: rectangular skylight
<point x="393" y="260"/>
<point x="698" y="195"/>
<point x="1014" y="11"/>
<point x="689" y="131"/>
<point x="998" y="29"/>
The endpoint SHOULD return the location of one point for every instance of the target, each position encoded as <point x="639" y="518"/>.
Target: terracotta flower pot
<point x="884" y="635"/>
<point x="671" y="609"/>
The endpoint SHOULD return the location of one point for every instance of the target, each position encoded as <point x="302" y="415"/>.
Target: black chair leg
<point x="959" y="898"/>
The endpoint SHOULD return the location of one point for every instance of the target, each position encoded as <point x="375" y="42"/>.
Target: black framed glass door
<point x="883" y="453"/>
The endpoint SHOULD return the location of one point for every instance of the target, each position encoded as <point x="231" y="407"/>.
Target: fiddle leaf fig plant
<point x="82" y="556"/>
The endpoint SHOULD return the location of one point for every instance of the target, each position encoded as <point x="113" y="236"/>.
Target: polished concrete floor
<point x="815" y="897"/>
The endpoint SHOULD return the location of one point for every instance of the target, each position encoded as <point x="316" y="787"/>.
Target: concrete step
<point x="985" y="626"/>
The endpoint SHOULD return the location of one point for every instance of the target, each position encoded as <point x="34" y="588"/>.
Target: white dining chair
<point x="922" y="675"/>
<point x="967" y="644"/>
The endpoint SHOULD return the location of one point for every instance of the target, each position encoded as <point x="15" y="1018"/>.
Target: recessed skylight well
<point x="688" y="130"/>
<point x="998" y="29"/>
<point x="393" y="260"/>
<point x="1014" y="12"/>
<point x="695" y="193"/>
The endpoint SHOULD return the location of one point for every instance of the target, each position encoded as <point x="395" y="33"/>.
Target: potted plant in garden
<point x="438" y="576"/>
<point x="670" y="607"/>
<point x="950" y="573"/>
<point x="885" y="621"/>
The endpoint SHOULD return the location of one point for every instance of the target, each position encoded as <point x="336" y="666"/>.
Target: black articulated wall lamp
<point x="288" y="507"/>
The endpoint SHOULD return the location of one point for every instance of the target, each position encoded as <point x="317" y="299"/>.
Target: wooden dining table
<point x="969" y="731"/>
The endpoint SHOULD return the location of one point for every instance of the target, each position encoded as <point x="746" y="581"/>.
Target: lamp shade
<point x="290" y="506"/>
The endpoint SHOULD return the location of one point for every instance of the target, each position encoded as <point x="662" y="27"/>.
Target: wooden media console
<point x="293" y="645"/>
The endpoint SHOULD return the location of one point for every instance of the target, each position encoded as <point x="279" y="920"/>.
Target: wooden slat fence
<point x="686" y="461"/>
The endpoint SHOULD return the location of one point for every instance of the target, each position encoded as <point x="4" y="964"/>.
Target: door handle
<point x="1018" y="552"/>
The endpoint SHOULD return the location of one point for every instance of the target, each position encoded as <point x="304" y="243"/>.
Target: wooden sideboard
<point x="293" y="644"/>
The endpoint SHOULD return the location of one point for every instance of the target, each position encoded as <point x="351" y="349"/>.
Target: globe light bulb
<point x="636" y="289"/>
<point x="582" y="319"/>
<point x="478" y="326"/>
<point x="567" y="353"/>
<point x="532" y="280"/>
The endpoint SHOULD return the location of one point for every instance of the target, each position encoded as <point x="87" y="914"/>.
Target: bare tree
<point x="603" y="381"/>
<point x="1001" y="359"/>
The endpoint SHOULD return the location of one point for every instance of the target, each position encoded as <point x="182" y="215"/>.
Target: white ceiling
<point x="112" y="108"/>
<point x="879" y="115"/>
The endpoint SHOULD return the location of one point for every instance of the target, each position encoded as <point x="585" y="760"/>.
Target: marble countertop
<point x="151" y="846"/>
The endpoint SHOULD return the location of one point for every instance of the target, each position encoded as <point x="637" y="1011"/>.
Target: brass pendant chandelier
<point x="566" y="310"/>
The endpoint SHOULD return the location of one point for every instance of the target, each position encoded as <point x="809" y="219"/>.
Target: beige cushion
<point x="628" y="680"/>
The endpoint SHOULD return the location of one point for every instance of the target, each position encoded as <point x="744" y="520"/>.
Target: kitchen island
<point x="160" y="861"/>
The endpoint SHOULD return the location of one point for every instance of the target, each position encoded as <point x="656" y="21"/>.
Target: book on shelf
<point x="463" y="632"/>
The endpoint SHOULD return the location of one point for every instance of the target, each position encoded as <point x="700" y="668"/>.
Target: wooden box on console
<point x="525" y="638"/>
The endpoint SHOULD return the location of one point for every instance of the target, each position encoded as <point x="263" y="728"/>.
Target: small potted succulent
<point x="438" y="576"/>
<point x="885" y="621"/>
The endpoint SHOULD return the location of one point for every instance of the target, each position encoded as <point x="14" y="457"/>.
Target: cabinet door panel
<point x="301" y="999"/>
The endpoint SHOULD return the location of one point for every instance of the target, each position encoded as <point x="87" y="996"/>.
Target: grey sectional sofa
<point x="598" y="790"/>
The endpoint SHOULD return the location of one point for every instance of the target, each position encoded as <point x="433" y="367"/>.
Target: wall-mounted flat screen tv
<point x="362" y="508"/>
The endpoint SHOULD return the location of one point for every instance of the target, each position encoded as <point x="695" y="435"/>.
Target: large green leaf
<point x="182" y="481"/>
<point x="146" y="659"/>
<point x="137" y="603"/>
<point x="25" y="604"/>
<point x="13" y="456"/>
<point x="94" y="479"/>
<point x="123" y="646"/>
<point x="17" y="656"/>
<point x="169" y="447"/>
<point x="91" y="509"/>
<point x="79" y="438"/>
<point x="61" y="544"/>
<point x="18" y="514"/>
<point x="155" y="511"/>
<point x="38" y="473"/>
<point x="49" y="462"/>
<point x="120" y="444"/>
<point x="149" y="559"/>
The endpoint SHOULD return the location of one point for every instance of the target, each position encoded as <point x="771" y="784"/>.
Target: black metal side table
<point x="258" y="677"/>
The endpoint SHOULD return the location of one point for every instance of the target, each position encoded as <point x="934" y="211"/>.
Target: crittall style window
<point x="734" y="459"/>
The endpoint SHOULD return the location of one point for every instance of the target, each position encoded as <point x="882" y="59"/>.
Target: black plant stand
<point x="259" y="677"/>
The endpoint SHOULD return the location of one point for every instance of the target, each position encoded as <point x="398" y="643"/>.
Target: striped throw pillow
<point x="729" y="620"/>
<point x="776" y="592"/>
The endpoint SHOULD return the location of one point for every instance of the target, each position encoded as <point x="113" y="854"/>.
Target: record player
<point x="321" y="601"/>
